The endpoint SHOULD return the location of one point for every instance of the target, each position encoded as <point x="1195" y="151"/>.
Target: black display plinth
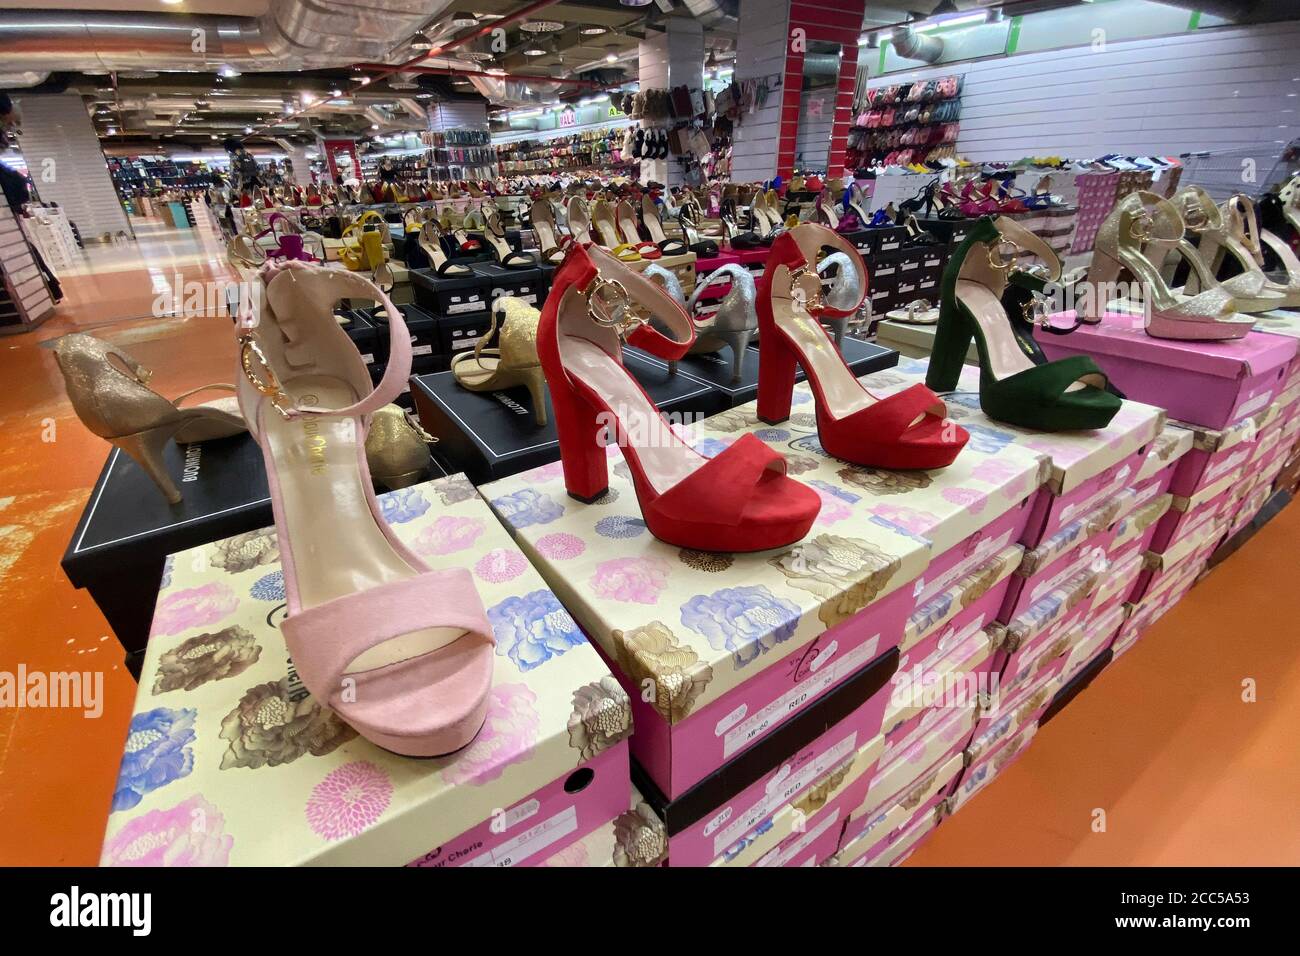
<point x="714" y="369"/>
<point x="120" y="544"/>
<point x="491" y="435"/>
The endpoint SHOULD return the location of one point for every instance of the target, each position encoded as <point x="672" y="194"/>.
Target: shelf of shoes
<point x="47" y="228"/>
<point x="25" y="299"/>
<point x="593" y="149"/>
<point x="906" y="123"/>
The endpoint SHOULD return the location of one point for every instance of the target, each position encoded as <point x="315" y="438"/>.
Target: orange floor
<point x="1186" y="772"/>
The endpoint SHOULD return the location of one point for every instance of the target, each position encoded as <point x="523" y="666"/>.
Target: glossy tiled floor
<point x="1185" y="771"/>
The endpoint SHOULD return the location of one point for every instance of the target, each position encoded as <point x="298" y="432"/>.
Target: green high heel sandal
<point x="1017" y="383"/>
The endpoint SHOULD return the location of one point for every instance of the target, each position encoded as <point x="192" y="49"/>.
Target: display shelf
<point x="25" y="300"/>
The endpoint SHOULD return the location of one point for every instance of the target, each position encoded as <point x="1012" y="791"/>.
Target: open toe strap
<point x="626" y="252"/>
<point x="673" y="247"/>
<point x="811" y="239"/>
<point x="718" y="491"/>
<point x="325" y="641"/>
<point x="1045" y="384"/>
<point x="888" y="420"/>
<point x="518" y="260"/>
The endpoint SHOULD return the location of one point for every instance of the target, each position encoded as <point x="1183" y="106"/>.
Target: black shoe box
<point x="425" y="333"/>
<point x="491" y="435"/>
<point x="363" y="334"/>
<point x="527" y="284"/>
<point x="714" y="369"/>
<point x="451" y="295"/>
<point x="951" y="231"/>
<point x="888" y="238"/>
<point x="128" y="529"/>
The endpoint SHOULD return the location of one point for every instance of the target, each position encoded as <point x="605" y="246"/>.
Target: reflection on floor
<point x="1186" y="771"/>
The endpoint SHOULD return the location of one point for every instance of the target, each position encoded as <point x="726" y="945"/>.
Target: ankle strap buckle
<point x="610" y="306"/>
<point x="250" y="351"/>
<point x="1141" y="226"/>
<point x="996" y="255"/>
<point x="810" y="303"/>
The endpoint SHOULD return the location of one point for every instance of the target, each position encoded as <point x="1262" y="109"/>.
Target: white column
<point x="673" y="58"/>
<point x="760" y="52"/>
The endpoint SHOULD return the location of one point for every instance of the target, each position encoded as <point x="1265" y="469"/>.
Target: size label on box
<point x="457" y="308"/>
<point x="1088" y="504"/>
<point x="979" y="553"/>
<point x="826" y="673"/>
<point x="776" y="797"/>
<point x="531" y="841"/>
<point x="422" y="350"/>
<point x="779" y="857"/>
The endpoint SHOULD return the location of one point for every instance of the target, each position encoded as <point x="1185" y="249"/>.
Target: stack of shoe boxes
<point x="766" y="689"/>
<point x="1062" y="592"/>
<point x="224" y="732"/>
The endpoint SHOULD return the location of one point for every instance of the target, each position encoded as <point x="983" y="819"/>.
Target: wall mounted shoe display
<point x="110" y="393"/>
<point x="1017" y="383"/>
<point x="907" y="430"/>
<point x="740" y="500"/>
<point x="400" y="651"/>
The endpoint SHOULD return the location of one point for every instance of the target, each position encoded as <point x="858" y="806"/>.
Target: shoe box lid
<point x="230" y="732"/>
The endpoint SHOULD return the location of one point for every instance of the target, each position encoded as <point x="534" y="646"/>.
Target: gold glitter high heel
<point x="514" y="359"/>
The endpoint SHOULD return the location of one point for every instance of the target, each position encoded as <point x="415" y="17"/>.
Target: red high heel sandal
<point x="739" y="501"/>
<point x="906" y="430"/>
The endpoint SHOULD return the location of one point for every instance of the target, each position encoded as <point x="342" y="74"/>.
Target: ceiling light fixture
<point x="336" y="92"/>
<point x="462" y="20"/>
<point x="421" y="41"/>
<point x="495" y="71"/>
<point x="534" y="51"/>
<point x="611" y="57"/>
<point x="593" y="31"/>
<point x="636" y="3"/>
<point x="541" y="26"/>
<point x="949" y="22"/>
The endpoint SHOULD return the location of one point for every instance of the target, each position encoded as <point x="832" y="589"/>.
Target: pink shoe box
<point x="867" y="833"/>
<point x="1249" y="508"/>
<point x="1125" y="567"/>
<point x="1163" y="455"/>
<point x="810" y="812"/>
<point x="752" y="259"/>
<point x="954" y="674"/>
<point x="929" y="746"/>
<point x="1187" y="517"/>
<point x="1099" y="635"/>
<point x="895" y="844"/>
<point x="1284" y="323"/>
<point x="749" y="806"/>
<point x="634" y="838"/>
<point x="978" y="776"/>
<point x="1084" y="469"/>
<point x="1004" y="717"/>
<point x="1219" y="453"/>
<point x="1211" y="384"/>
<point x="281" y="780"/>
<point x="733" y="645"/>
<point x="1137" y="529"/>
<point x="1046" y="628"/>
<point x="1162" y="569"/>
<point x="1080" y="545"/>
<point x="814" y="846"/>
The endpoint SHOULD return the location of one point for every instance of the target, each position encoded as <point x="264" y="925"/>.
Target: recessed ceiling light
<point x="336" y="92"/>
<point x="541" y="26"/>
<point x="374" y="126"/>
<point x="636" y="3"/>
<point x="228" y="71"/>
<point x="592" y="31"/>
<point x="475" y="55"/>
<point x="424" y="96"/>
<point x="248" y="129"/>
<point x="611" y="57"/>
<point x="173" y="3"/>
<point x="496" y="71"/>
<point x="534" y="51"/>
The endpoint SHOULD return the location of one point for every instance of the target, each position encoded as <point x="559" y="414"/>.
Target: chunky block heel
<point x="776" y="374"/>
<point x="581" y="428"/>
<point x="952" y="338"/>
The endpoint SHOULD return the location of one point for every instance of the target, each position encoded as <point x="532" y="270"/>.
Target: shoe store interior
<point x="711" y="433"/>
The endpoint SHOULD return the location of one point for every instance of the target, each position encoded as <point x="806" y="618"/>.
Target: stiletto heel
<point x="514" y="359"/>
<point x="146" y="450"/>
<point x="777" y="366"/>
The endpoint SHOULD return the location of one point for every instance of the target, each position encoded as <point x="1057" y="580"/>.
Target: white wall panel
<point x="58" y="128"/>
<point x="1230" y="88"/>
<point x="760" y="51"/>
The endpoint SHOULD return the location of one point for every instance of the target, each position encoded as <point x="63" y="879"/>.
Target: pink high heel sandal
<point x="400" y="651"/>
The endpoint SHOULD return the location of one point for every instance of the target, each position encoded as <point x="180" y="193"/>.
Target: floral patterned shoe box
<point x="1009" y="712"/>
<point x="867" y="835"/>
<point x="230" y="761"/>
<point x="759" y="814"/>
<point x="634" y="838"/>
<point x="919" y="758"/>
<point x="1211" y="384"/>
<point x="901" y="843"/>
<point x="1165" y="453"/>
<point x="1080" y="545"/>
<point x="718" y="650"/>
<point x="978" y="776"/>
<point x="1217" y="453"/>
<point x="810" y="823"/>
<point x="1098" y="636"/>
<point x="1187" y="519"/>
<point x="1084" y="469"/>
<point x="1049" y="627"/>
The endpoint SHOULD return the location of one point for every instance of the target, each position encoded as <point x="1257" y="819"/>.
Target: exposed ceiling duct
<point x="713" y="13"/>
<point x="291" y="35"/>
<point x="911" y="45"/>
